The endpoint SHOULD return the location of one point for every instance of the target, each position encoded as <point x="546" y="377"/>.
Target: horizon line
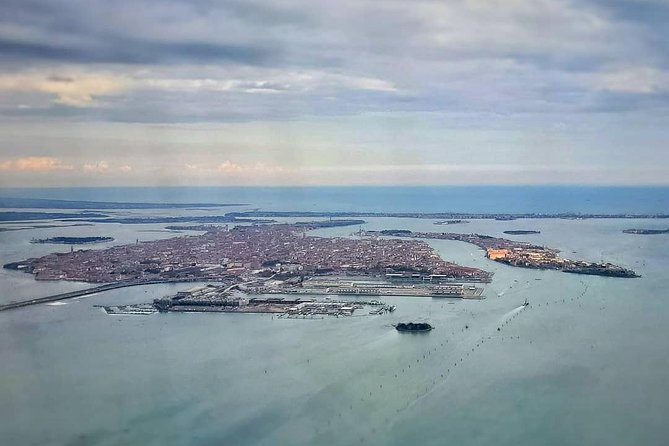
<point x="388" y="186"/>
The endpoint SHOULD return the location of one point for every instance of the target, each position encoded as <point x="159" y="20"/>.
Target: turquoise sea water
<point x="585" y="363"/>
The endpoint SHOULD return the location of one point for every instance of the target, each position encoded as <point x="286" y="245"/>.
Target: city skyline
<point x="353" y="93"/>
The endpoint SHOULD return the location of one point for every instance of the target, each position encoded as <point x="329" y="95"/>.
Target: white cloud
<point x="643" y="80"/>
<point x="230" y="167"/>
<point x="99" y="167"/>
<point x="104" y="167"/>
<point x="34" y="164"/>
<point x="265" y="80"/>
<point x="76" y="90"/>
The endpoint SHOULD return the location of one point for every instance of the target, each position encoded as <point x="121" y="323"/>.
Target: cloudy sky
<point x="293" y="92"/>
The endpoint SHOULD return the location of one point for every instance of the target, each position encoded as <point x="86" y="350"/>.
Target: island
<point x="254" y="254"/>
<point x="205" y="228"/>
<point x="521" y="232"/>
<point x="646" y="231"/>
<point x="450" y="222"/>
<point x="73" y="240"/>
<point x="515" y="253"/>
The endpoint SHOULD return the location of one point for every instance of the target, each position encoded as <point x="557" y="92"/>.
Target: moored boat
<point x="413" y="326"/>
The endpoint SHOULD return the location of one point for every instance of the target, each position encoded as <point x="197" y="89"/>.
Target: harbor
<point x="221" y="299"/>
<point x="390" y="285"/>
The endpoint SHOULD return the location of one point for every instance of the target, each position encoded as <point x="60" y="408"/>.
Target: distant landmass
<point x="646" y="231"/>
<point x="306" y="224"/>
<point x="184" y="219"/>
<point x="450" y="222"/>
<point x="521" y="232"/>
<point x="41" y="203"/>
<point x="72" y="240"/>
<point x="26" y="216"/>
<point x="436" y="215"/>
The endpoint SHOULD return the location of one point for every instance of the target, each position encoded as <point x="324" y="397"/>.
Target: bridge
<point x="97" y="289"/>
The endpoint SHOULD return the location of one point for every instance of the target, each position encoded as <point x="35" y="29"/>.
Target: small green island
<point x="646" y="231"/>
<point x="521" y="232"/>
<point x="72" y="240"/>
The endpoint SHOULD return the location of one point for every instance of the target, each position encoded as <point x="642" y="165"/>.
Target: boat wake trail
<point x="436" y="383"/>
<point x="511" y="314"/>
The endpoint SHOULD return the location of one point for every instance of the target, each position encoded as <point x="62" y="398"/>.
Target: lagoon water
<point x="586" y="363"/>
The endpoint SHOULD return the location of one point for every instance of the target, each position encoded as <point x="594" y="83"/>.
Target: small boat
<point x="526" y="303"/>
<point x="413" y="326"/>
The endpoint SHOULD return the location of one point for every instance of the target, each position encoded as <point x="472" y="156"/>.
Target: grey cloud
<point x="645" y="21"/>
<point x="63" y="79"/>
<point x="613" y="102"/>
<point x="450" y="56"/>
<point x="125" y="51"/>
<point x="646" y="12"/>
<point x="310" y="33"/>
<point x="133" y="32"/>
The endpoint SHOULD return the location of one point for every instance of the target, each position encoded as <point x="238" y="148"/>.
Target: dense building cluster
<point x="517" y="253"/>
<point x="244" y="250"/>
